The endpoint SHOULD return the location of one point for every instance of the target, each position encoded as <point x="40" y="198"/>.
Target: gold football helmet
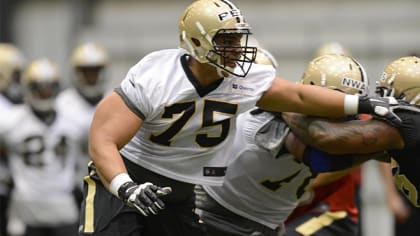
<point x="401" y="79"/>
<point x="332" y="48"/>
<point x="11" y="66"/>
<point x="89" y="61"/>
<point x="215" y="32"/>
<point x="336" y="72"/>
<point x="41" y="84"/>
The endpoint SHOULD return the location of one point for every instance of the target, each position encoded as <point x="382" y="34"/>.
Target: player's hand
<point x="381" y="108"/>
<point x="144" y="197"/>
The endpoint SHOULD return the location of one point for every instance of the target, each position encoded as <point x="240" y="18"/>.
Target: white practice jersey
<point x="42" y="163"/>
<point x="80" y="113"/>
<point x="263" y="182"/>
<point x="5" y="107"/>
<point x="187" y="129"/>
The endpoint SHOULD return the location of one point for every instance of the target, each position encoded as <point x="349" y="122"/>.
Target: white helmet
<point x="332" y="48"/>
<point x="41" y="84"/>
<point x="89" y="61"/>
<point x="215" y="32"/>
<point x="11" y="66"/>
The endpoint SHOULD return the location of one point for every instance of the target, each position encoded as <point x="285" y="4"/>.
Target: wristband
<point x="351" y="104"/>
<point x="365" y="106"/>
<point x="117" y="181"/>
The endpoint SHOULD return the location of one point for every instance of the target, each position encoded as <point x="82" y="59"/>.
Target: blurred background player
<point x="259" y="200"/>
<point x="332" y="208"/>
<point x="333" y="47"/>
<point x="11" y="66"/>
<point x="78" y="102"/>
<point x="42" y="149"/>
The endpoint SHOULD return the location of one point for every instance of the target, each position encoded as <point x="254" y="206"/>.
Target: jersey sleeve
<point x="134" y="92"/>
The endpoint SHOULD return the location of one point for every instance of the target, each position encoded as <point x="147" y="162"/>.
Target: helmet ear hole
<point x="196" y="42"/>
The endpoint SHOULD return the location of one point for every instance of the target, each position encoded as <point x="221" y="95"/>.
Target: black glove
<point x="381" y="108"/>
<point x="144" y="197"/>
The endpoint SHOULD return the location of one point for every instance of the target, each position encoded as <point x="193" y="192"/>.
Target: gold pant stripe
<point x="89" y="209"/>
<point x="316" y="223"/>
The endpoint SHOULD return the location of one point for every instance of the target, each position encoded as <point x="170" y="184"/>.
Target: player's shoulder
<point x="14" y="116"/>
<point x="67" y="96"/>
<point x="152" y="69"/>
<point x="160" y="57"/>
<point x="4" y="103"/>
<point x="260" y="76"/>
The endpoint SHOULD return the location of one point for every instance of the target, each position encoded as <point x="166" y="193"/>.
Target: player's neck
<point x="203" y="72"/>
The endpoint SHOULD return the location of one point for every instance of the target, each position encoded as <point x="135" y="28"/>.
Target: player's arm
<point x="338" y="137"/>
<point x="320" y="161"/>
<point x="113" y="125"/>
<point x="284" y="95"/>
<point x="288" y="96"/>
<point x="329" y="177"/>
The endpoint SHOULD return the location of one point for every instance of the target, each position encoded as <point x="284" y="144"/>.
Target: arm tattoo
<point x="324" y="133"/>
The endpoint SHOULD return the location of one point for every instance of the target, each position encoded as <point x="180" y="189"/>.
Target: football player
<point x="42" y="149"/>
<point x="259" y="200"/>
<point x="11" y="66"/>
<point x="168" y="126"/>
<point x="401" y="80"/>
<point x="334" y="193"/>
<point x="89" y="61"/>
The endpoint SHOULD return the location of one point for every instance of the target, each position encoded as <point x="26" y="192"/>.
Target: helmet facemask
<point x="14" y="90"/>
<point x="89" y="61"/>
<point x="41" y="85"/>
<point x="42" y="95"/>
<point x="231" y="52"/>
<point x="90" y="81"/>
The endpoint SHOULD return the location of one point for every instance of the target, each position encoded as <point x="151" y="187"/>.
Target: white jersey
<point x="80" y="113"/>
<point x="42" y="163"/>
<point x="5" y="107"/>
<point x="263" y="183"/>
<point x="187" y="129"/>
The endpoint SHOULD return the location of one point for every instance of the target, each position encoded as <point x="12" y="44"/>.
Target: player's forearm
<point x="312" y="100"/>
<point x="358" y="136"/>
<point x="318" y="101"/>
<point x="329" y="177"/>
<point x="301" y="126"/>
<point x="107" y="160"/>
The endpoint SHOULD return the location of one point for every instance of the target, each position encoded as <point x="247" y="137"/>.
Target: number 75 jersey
<point x="187" y="130"/>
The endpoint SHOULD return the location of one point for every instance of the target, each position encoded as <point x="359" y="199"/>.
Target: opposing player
<point x="258" y="201"/>
<point x="169" y="123"/>
<point x="400" y="79"/>
<point x="42" y="151"/>
<point x="78" y="102"/>
<point x="11" y="66"/>
<point x="333" y="194"/>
